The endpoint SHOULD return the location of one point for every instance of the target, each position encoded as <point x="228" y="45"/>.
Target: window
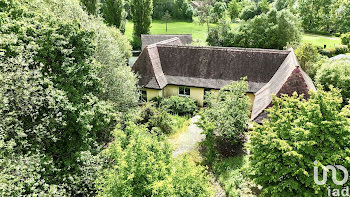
<point x="143" y="96"/>
<point x="184" y="91"/>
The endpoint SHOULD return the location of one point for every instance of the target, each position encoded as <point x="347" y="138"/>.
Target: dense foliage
<point x="141" y="165"/>
<point x="53" y="121"/>
<point x="234" y="9"/>
<point x="182" y="10"/>
<point x="218" y="11"/>
<point x="308" y="55"/>
<point x="156" y="120"/>
<point x="345" y="39"/>
<point x="178" y="9"/>
<point x="278" y="28"/>
<point x="228" y="109"/>
<point x="180" y="105"/>
<point x="297" y="133"/>
<point x="90" y="6"/>
<point x="114" y="13"/>
<point x="49" y="90"/>
<point x="337" y="74"/>
<point x="141" y="12"/>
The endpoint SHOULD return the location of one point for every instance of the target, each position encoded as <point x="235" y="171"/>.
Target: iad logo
<point x="334" y="174"/>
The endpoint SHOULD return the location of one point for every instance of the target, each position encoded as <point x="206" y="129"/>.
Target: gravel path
<point x="187" y="142"/>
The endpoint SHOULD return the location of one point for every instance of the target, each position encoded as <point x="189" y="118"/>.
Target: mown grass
<point x="199" y="32"/>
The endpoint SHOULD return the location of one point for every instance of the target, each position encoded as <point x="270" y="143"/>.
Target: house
<point x="168" y="68"/>
<point x="147" y="39"/>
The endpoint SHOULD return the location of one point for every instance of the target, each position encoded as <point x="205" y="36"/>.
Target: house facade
<point x="168" y="68"/>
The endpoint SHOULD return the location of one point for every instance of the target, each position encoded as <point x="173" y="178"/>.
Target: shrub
<point x="220" y="35"/>
<point x="345" y="39"/>
<point x="228" y="109"/>
<point x="337" y="74"/>
<point x="141" y="165"/>
<point x="180" y="105"/>
<point x="155" y="119"/>
<point x="297" y="133"/>
<point x="218" y="11"/>
<point x="341" y="49"/>
<point x="249" y="12"/>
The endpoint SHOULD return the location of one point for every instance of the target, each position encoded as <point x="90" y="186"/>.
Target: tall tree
<point x="205" y="12"/>
<point x="233" y="9"/>
<point x="141" y="12"/>
<point x="114" y="13"/>
<point x="90" y="6"/>
<point x="315" y="14"/>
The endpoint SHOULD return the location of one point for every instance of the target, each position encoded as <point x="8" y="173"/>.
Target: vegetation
<point x="345" y="39"/>
<point x="297" y="133"/>
<point x="179" y="9"/>
<point x="114" y="13"/>
<point x="141" y="12"/>
<point x="335" y="74"/>
<point x="166" y="18"/>
<point x="90" y="6"/>
<point x="153" y="173"/>
<point x="180" y="105"/>
<point x="228" y="109"/>
<point x="308" y="55"/>
<point x="234" y="9"/>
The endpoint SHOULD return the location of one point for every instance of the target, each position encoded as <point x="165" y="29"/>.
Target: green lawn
<point x="320" y="40"/>
<point x="199" y="32"/>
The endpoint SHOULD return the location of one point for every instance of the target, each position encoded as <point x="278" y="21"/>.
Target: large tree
<point x="296" y="134"/>
<point x="271" y="30"/>
<point x="315" y="14"/>
<point x="141" y="12"/>
<point x="114" y="13"/>
<point x="90" y="6"/>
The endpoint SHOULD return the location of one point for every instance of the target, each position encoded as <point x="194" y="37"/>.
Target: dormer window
<point x="184" y="91"/>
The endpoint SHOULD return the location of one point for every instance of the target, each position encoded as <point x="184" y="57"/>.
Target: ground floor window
<point x="143" y="96"/>
<point x="184" y="91"/>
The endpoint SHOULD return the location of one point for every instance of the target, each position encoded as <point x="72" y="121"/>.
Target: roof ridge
<point x="225" y="48"/>
<point x="163" y="42"/>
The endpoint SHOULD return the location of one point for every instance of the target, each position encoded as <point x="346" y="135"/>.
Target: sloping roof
<point x="147" y="39"/>
<point x="269" y="72"/>
<point x="289" y="78"/>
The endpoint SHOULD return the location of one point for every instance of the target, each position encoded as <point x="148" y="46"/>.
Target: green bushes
<point x="180" y="105"/>
<point x="178" y="9"/>
<point x="141" y="165"/>
<point x="298" y="132"/>
<point x="337" y="74"/>
<point x="229" y="111"/>
<point x="345" y="39"/>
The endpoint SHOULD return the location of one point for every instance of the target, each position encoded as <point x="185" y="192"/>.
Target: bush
<point x="141" y="165"/>
<point x="234" y="9"/>
<point x="182" y="10"/>
<point x="297" y="133"/>
<point x="341" y="50"/>
<point x="249" y="12"/>
<point x="180" y="105"/>
<point x="336" y="74"/>
<point x="157" y="120"/>
<point x="218" y="11"/>
<point x="345" y="39"/>
<point x="228" y="109"/>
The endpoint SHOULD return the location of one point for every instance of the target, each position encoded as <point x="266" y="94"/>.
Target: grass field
<point x="199" y="32"/>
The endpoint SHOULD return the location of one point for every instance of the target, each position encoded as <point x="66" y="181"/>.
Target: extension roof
<point x="147" y="39"/>
<point x="268" y="72"/>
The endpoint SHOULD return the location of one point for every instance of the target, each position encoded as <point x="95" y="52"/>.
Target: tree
<point x="182" y="10"/>
<point x="249" y="12"/>
<point x="341" y="17"/>
<point x="205" y="15"/>
<point x="228" y="109"/>
<point x="284" y="4"/>
<point x="50" y="112"/>
<point x="296" y="134"/>
<point x="345" y="39"/>
<point x="166" y="18"/>
<point x="113" y="12"/>
<point x="218" y="10"/>
<point x="272" y="30"/>
<point x="263" y="6"/>
<point x="315" y="14"/>
<point x="308" y="55"/>
<point x="234" y="9"/>
<point x="141" y="165"/>
<point x="337" y="74"/>
<point x="220" y="35"/>
<point x="90" y="6"/>
<point x="141" y="12"/>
